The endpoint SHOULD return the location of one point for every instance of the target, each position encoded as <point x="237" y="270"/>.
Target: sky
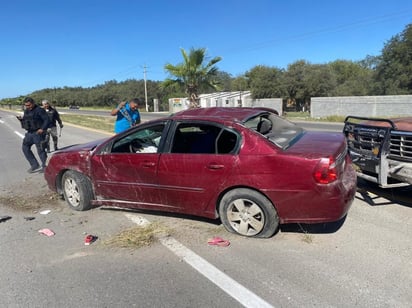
<point x="84" y="43"/>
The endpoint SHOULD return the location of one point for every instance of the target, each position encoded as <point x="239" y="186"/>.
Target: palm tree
<point x="193" y="75"/>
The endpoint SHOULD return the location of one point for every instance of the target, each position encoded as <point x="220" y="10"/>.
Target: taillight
<point x="325" y="171"/>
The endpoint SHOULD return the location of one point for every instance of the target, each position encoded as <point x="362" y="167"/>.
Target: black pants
<point x="33" y="138"/>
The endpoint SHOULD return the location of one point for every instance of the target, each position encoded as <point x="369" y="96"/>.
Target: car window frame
<point x="222" y="127"/>
<point x="108" y="148"/>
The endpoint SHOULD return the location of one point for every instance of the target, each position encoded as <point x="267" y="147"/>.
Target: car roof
<point x="235" y="114"/>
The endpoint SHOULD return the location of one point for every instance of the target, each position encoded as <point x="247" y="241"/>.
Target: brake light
<point x="325" y="171"/>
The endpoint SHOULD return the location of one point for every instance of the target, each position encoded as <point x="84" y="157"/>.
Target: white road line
<point x="244" y="296"/>
<point x="19" y="134"/>
<point x="16" y="132"/>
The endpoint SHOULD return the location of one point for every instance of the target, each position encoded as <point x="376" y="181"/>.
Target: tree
<point x="352" y="78"/>
<point x="319" y="81"/>
<point x="224" y="80"/>
<point x="294" y="81"/>
<point x="394" y="71"/>
<point x="265" y="82"/>
<point x="193" y="74"/>
<point x="240" y="83"/>
<point x="303" y="80"/>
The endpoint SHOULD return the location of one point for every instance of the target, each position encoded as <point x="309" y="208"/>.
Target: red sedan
<point x="247" y="166"/>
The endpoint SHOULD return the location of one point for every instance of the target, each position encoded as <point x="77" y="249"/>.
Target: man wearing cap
<point x="35" y="121"/>
<point x="54" y="117"/>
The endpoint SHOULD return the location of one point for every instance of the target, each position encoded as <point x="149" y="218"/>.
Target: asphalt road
<point x="363" y="261"/>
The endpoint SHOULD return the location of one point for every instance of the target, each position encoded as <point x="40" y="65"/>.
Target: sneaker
<point x="41" y="170"/>
<point x="32" y="170"/>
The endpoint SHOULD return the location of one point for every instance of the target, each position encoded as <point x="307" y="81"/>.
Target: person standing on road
<point x="54" y="117"/>
<point x="35" y="121"/>
<point x="127" y="115"/>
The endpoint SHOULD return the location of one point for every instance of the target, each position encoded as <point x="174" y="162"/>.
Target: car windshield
<point x="276" y="129"/>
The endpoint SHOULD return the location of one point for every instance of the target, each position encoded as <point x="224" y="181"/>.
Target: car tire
<point x="248" y="213"/>
<point x="77" y="190"/>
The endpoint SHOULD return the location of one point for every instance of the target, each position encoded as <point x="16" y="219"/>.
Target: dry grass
<point x="137" y="237"/>
<point x="30" y="203"/>
<point x="307" y="238"/>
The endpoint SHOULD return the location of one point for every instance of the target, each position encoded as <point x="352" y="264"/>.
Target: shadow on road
<point x="329" y="227"/>
<point x="374" y="195"/>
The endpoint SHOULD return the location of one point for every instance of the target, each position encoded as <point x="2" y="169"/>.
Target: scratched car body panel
<point x="247" y="166"/>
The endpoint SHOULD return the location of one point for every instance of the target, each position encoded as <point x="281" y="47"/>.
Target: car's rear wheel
<point x="248" y="213"/>
<point x="77" y="190"/>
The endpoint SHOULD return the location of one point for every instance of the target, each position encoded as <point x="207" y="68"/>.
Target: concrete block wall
<point x="367" y="106"/>
<point x="275" y="103"/>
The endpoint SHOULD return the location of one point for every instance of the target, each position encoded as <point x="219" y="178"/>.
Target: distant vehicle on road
<point x="74" y="107"/>
<point x="247" y="166"/>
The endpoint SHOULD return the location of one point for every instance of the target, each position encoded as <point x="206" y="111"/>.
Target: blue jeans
<point x="33" y="138"/>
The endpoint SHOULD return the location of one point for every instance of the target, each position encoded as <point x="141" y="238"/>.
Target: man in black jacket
<point x="54" y="117"/>
<point x="35" y="121"/>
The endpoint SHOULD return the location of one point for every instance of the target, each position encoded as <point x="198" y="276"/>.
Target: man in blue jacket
<point x="35" y="121"/>
<point x="127" y="115"/>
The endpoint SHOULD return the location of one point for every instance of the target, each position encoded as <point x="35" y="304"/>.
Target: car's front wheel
<point x="77" y="190"/>
<point x="248" y="213"/>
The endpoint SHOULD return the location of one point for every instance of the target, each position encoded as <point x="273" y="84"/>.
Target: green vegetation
<point x="193" y="75"/>
<point x="95" y="122"/>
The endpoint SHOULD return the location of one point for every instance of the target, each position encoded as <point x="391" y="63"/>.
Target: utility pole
<point x="145" y="88"/>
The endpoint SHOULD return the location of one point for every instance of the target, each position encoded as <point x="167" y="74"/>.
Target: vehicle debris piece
<point x="45" y="212"/>
<point x="4" y="218"/>
<point x="89" y="239"/>
<point x="218" y="241"/>
<point x="47" y="232"/>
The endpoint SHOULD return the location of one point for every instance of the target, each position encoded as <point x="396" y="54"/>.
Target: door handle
<point x="215" y="166"/>
<point x="148" y="164"/>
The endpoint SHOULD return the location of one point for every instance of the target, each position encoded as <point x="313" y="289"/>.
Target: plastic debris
<point x="47" y="232"/>
<point x="89" y="239"/>
<point x="218" y="241"/>
<point x="4" y="218"/>
<point x="45" y="212"/>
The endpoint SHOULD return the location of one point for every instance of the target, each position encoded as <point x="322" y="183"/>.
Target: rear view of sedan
<point x="247" y="166"/>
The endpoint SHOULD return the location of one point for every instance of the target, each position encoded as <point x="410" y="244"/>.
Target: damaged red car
<point x="248" y="167"/>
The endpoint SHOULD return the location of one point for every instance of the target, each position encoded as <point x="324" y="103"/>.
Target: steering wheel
<point x="149" y="142"/>
<point x="135" y="146"/>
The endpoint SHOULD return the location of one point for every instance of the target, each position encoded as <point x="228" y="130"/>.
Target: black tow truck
<point x="381" y="149"/>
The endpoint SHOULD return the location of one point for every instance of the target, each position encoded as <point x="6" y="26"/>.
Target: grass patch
<point x="300" y="115"/>
<point x="96" y="122"/>
<point x="307" y="238"/>
<point x="31" y="203"/>
<point x="137" y="237"/>
<point x="334" y="118"/>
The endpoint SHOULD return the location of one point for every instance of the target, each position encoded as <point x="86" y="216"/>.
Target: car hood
<point x="84" y="146"/>
<point x="318" y="144"/>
